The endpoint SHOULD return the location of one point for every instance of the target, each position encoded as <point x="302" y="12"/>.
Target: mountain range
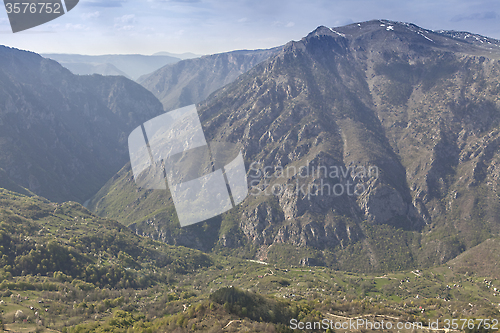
<point x="372" y="156"/>
<point x="419" y="106"/>
<point x="407" y="116"/>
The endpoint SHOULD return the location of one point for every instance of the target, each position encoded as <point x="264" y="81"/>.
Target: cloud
<point x="475" y="17"/>
<point x="105" y="3"/>
<point x="282" y="24"/>
<point x="125" y="22"/>
<point x="185" y="1"/>
<point x="74" y="27"/>
<point x="125" y="27"/>
<point x="342" y="22"/>
<point x="126" y="19"/>
<point x="90" y="16"/>
<point x="181" y="1"/>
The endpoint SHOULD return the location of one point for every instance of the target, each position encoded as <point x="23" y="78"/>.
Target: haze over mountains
<point x="129" y="65"/>
<point x="182" y="56"/>
<point x="421" y="106"/>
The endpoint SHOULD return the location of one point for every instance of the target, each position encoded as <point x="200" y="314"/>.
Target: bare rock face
<point x="317" y="235"/>
<point x="258" y="225"/>
<point x="382" y="204"/>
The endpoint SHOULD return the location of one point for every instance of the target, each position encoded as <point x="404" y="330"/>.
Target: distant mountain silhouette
<point x="133" y="65"/>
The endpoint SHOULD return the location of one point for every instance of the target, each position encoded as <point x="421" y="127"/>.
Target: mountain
<point x="47" y="248"/>
<point x="418" y="108"/>
<point x="41" y="237"/>
<point x="191" y="81"/>
<point x="481" y="260"/>
<point x="186" y="55"/>
<point x="63" y="136"/>
<point x="133" y="65"/>
<point x="82" y="68"/>
<point x="7" y="183"/>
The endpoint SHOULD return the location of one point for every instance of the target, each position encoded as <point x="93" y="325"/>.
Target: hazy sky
<point x="211" y="26"/>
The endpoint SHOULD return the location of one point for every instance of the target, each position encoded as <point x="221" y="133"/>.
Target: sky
<point x="213" y="26"/>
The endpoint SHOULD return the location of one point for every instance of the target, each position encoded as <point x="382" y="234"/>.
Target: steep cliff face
<point x="361" y="139"/>
<point x="62" y="136"/>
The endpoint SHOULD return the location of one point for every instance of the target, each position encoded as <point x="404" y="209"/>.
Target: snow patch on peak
<point x="338" y="33"/>
<point x="421" y="34"/>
